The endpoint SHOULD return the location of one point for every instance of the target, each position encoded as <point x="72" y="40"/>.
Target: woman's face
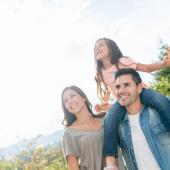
<point x="101" y="50"/>
<point x="73" y="101"/>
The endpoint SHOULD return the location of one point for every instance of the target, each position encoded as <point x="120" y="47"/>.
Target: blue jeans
<point x="149" y="98"/>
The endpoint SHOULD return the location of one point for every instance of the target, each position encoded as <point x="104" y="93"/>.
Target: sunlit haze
<point x="47" y="45"/>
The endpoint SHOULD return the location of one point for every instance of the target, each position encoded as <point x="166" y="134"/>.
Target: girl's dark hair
<point x="115" y="55"/>
<point x="69" y="118"/>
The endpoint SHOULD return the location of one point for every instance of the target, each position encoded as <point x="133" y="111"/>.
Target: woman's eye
<point x="65" y="101"/>
<point x="73" y="95"/>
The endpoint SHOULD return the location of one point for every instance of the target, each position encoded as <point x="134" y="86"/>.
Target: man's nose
<point x="121" y="90"/>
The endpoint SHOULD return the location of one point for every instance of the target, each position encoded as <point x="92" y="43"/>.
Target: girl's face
<point x="101" y="50"/>
<point x="73" y="101"/>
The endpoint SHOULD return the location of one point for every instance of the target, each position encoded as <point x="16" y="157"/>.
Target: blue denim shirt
<point x="156" y="135"/>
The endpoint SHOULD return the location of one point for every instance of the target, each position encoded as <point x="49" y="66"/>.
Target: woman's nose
<point x="96" y="49"/>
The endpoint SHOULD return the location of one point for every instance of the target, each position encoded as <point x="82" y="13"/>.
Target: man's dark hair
<point x="129" y="71"/>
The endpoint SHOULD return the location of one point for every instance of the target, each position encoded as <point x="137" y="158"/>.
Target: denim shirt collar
<point x="126" y="115"/>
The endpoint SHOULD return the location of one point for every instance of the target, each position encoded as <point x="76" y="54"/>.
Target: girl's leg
<point x="111" y="122"/>
<point x="159" y="102"/>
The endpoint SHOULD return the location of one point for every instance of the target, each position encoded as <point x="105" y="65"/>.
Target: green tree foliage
<point x="162" y="86"/>
<point x="166" y="71"/>
<point x="7" y="165"/>
<point x="40" y="158"/>
<point x="162" y="77"/>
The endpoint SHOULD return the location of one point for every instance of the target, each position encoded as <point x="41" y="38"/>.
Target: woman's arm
<point x="72" y="163"/>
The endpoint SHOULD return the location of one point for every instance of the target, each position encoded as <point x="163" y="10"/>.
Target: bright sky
<point x="46" y="45"/>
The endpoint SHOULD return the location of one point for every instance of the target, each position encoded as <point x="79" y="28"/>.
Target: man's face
<point x="127" y="92"/>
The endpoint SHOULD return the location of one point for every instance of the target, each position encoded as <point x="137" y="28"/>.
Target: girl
<point x="83" y="135"/>
<point x="109" y="59"/>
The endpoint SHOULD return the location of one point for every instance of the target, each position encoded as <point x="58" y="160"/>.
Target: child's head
<point x="106" y="48"/>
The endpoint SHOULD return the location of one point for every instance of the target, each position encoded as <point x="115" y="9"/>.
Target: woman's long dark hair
<point x="115" y="55"/>
<point x="69" y="118"/>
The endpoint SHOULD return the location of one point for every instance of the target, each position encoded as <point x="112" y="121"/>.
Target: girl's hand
<point x="166" y="59"/>
<point x="104" y="107"/>
<point x="106" y="96"/>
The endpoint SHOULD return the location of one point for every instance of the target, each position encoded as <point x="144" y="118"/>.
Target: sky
<point x="46" y="45"/>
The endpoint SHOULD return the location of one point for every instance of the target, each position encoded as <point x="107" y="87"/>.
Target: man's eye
<point x="127" y="84"/>
<point x="117" y="87"/>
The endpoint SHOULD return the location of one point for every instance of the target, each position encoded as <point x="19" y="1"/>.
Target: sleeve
<point x="111" y="122"/>
<point x="159" y="102"/>
<point x="69" y="145"/>
<point x="126" y="62"/>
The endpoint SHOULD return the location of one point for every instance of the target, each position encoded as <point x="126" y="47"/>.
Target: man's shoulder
<point x="150" y="110"/>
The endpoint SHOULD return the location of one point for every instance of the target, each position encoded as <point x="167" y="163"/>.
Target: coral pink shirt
<point x="109" y="74"/>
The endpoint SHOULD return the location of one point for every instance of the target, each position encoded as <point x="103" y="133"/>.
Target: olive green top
<point x="86" y="146"/>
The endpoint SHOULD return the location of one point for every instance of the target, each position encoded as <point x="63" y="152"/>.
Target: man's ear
<point x="140" y="88"/>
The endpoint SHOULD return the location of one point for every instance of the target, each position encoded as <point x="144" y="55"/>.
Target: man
<point x="143" y="138"/>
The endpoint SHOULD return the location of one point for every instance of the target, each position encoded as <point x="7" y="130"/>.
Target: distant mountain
<point x="28" y="144"/>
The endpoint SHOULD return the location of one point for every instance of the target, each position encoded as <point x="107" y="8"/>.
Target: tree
<point x="40" y="158"/>
<point x="162" y="77"/>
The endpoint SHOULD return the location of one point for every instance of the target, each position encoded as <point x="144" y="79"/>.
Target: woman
<point x="109" y="59"/>
<point x="83" y="135"/>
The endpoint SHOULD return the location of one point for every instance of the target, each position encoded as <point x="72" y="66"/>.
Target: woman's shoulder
<point x="66" y="131"/>
<point x="72" y="130"/>
<point x="101" y="119"/>
<point x="69" y="133"/>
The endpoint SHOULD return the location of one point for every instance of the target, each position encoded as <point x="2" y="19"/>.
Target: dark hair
<point x="69" y="118"/>
<point x="115" y="55"/>
<point x="129" y="71"/>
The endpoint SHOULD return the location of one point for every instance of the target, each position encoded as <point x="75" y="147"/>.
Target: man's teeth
<point x="123" y="97"/>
